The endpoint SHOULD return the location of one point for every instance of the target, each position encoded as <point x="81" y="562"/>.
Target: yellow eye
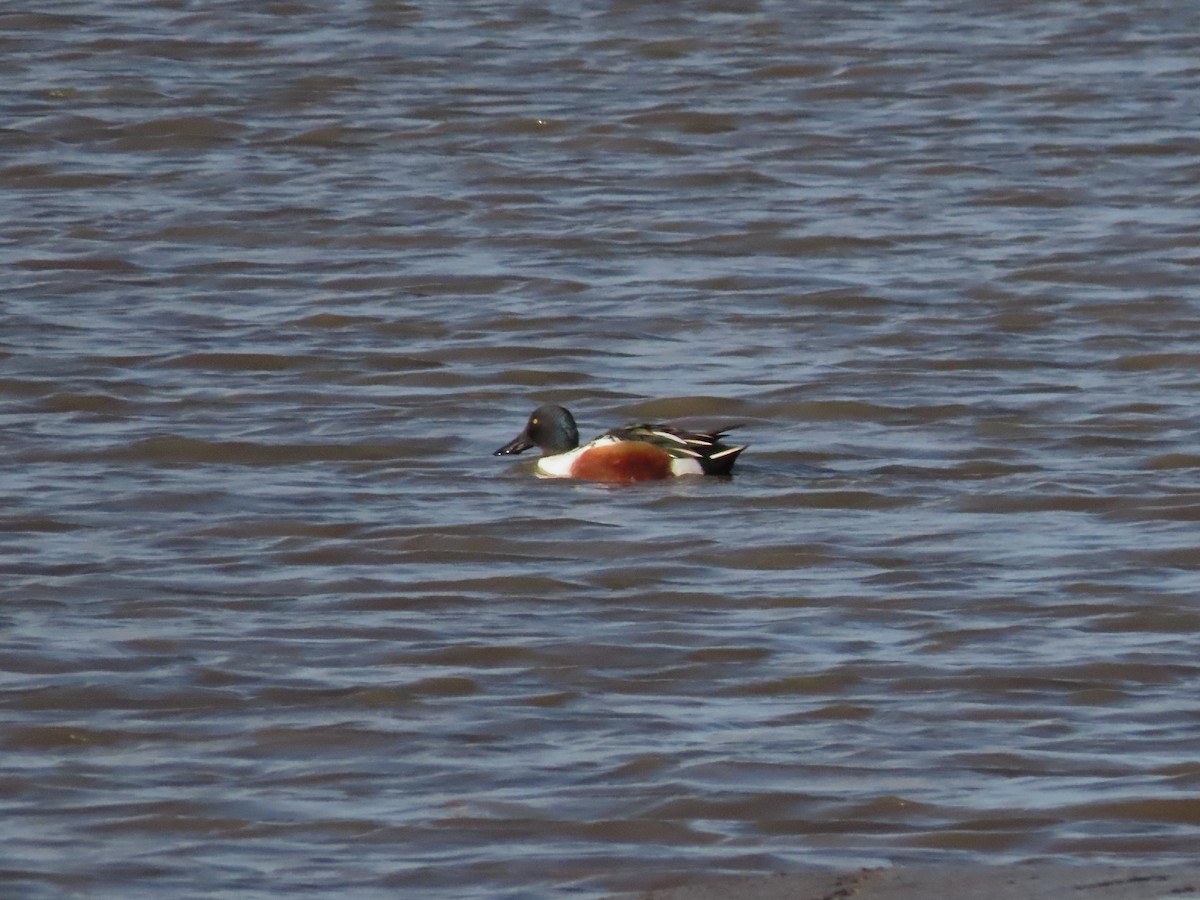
<point x="533" y="421"/>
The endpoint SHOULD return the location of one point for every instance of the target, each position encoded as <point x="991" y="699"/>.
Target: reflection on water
<point x="277" y="283"/>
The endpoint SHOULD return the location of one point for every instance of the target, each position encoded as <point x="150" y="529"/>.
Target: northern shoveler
<point x="630" y="453"/>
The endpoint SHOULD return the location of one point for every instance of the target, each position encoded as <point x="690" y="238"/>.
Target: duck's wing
<point x="715" y="457"/>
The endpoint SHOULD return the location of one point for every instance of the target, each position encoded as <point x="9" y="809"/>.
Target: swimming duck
<point x="637" y="452"/>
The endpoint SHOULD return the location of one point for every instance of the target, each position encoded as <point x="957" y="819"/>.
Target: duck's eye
<point x="534" y="422"/>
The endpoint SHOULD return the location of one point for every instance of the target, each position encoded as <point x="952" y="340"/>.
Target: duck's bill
<point x="518" y="445"/>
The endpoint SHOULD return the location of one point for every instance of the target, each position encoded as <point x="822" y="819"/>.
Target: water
<point x="277" y="280"/>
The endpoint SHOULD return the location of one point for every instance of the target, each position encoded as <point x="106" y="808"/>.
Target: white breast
<point x="558" y="465"/>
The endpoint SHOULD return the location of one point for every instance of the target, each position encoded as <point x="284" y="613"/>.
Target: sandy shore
<point x="1017" y="882"/>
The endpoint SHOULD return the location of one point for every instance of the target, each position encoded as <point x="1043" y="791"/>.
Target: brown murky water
<point x="278" y="278"/>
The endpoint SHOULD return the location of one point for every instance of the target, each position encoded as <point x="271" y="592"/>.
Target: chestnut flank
<point x="623" y="463"/>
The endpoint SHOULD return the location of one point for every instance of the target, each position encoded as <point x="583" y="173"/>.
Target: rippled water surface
<point x="277" y="278"/>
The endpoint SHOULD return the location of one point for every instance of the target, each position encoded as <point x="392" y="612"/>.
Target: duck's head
<point x="551" y="427"/>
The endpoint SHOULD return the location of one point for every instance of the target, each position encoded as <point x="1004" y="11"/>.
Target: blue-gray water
<point x="278" y="278"/>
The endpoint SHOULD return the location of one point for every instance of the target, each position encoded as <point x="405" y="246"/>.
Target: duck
<point x="630" y="453"/>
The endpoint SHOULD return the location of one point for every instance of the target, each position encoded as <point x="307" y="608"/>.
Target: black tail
<point x="721" y="460"/>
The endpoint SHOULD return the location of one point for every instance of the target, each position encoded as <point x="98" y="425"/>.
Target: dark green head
<point x="551" y="427"/>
